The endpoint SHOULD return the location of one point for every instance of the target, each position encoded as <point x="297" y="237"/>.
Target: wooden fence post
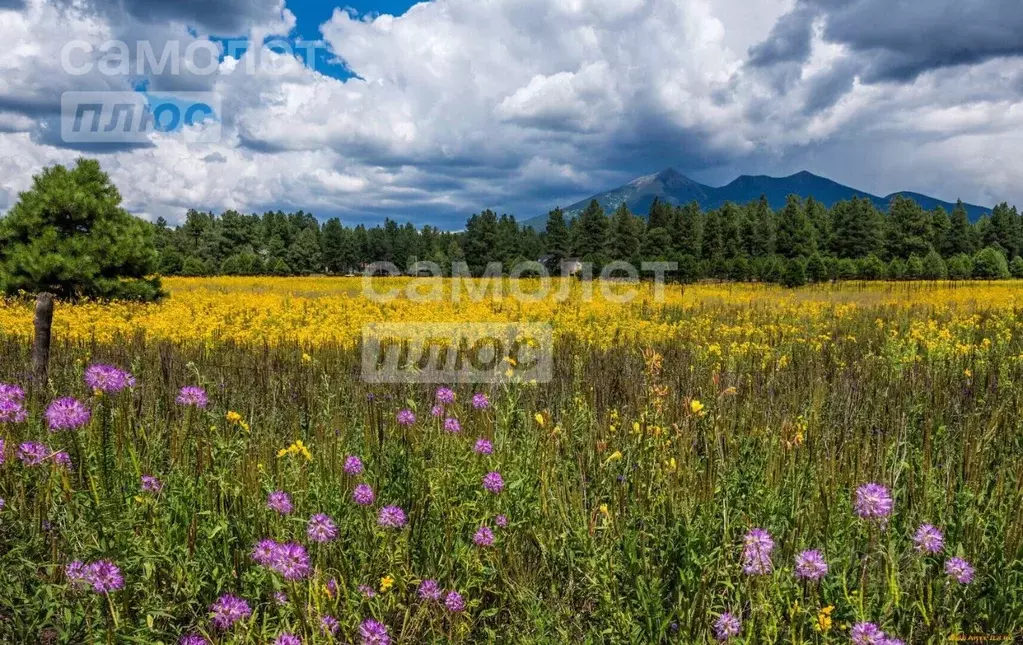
<point x="41" y="346"/>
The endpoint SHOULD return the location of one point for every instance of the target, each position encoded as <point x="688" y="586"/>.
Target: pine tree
<point x="856" y="228"/>
<point x="763" y="243"/>
<point x="960" y="234"/>
<point x="624" y="239"/>
<point x="686" y="229"/>
<point x="556" y="237"/>
<point x="795" y="235"/>
<point x="908" y="228"/>
<point x="591" y="231"/>
<point x="659" y="215"/>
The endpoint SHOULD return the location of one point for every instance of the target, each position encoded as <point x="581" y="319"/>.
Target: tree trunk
<point x="41" y="346"/>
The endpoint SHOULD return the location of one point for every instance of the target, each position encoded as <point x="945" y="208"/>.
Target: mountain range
<point x="673" y="187"/>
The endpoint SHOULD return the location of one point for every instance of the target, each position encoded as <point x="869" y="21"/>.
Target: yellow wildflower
<point x="697" y="408"/>
<point x="386" y="583"/>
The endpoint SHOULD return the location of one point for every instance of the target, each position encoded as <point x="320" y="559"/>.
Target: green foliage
<point x="1016" y="267"/>
<point x="816" y="269"/>
<point x="795" y="235"/>
<point x="990" y="264"/>
<point x="934" y="267"/>
<point x="871" y="268"/>
<point x="795" y="272"/>
<point x="589" y="231"/>
<point x="960" y="267"/>
<point x="69" y="236"/>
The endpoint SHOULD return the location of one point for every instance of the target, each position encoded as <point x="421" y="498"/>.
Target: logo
<point x="133" y="117"/>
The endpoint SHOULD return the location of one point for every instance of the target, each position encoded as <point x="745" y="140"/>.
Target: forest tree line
<point x="802" y="242"/>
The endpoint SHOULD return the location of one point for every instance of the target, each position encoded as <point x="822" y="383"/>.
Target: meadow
<point x="739" y="463"/>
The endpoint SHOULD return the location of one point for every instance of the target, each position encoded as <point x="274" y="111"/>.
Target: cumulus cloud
<point x="459" y="105"/>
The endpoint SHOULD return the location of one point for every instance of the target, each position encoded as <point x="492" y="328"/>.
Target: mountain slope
<point x="674" y="187"/>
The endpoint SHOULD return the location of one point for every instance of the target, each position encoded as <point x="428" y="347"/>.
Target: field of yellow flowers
<point x="711" y="463"/>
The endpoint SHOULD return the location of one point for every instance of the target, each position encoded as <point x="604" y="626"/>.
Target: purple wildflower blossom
<point x="12" y="411"/>
<point x="493" y="482"/>
<point x="353" y="465"/>
<point x="429" y="590"/>
<point x="391" y="517"/>
<point x="483" y="447"/>
<point x="437" y="411"/>
<point x="332" y="588"/>
<point x="67" y="414"/>
<point x="810" y="565"/>
<point x="873" y="501"/>
<point x="406" y="417"/>
<point x="960" y="570"/>
<point x="367" y="591"/>
<point x="281" y="598"/>
<point x="329" y="625"/>
<point x="452" y="425"/>
<point x="76" y="574"/>
<point x="756" y="552"/>
<point x="104" y="576"/>
<point x="264" y="552"/>
<point x="10" y="392"/>
<point x="480" y="401"/>
<point x="151" y="484"/>
<point x="928" y="539"/>
<point x="484" y="536"/>
<point x="893" y="641"/>
<point x="866" y="634"/>
<point x="2" y="503"/>
<point x="501" y="521"/>
<point x="445" y="395"/>
<point x="3" y="452"/>
<point x="291" y="561"/>
<point x="321" y="528"/>
<point x="726" y="626"/>
<point x="193" y="639"/>
<point x="107" y="378"/>
<point x="33" y="453"/>
<point x="373" y="633"/>
<point x="288" y="639"/>
<point x="62" y="459"/>
<point x="363" y="495"/>
<point x="228" y="610"/>
<point x="191" y="395"/>
<point x="279" y="501"/>
<point x="454" y="602"/>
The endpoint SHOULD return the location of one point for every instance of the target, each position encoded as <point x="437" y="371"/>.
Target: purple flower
<point x="406" y="417"/>
<point x="62" y="459"/>
<point x="332" y="588"/>
<point x="228" y="610"/>
<point x="151" y="484"/>
<point x="493" y="482"/>
<point x="33" y="453"/>
<point x="893" y="641"/>
<point x="193" y="396"/>
<point x="12" y="411"/>
<point x="264" y="552"/>
<point x="437" y="411"/>
<point x="329" y="625"/>
<point x="104" y="576"/>
<point x="321" y="528"/>
<point x="2" y="503"/>
<point x="866" y="634"/>
<point x="3" y="452"/>
<point x="367" y="591"/>
<point x="480" y="401"/>
<point x="484" y="536"/>
<point x="107" y="378"/>
<point x="288" y="639"/>
<point x="445" y="395"/>
<point x="960" y="570"/>
<point x="373" y="633"/>
<point x="726" y="626"/>
<point x="281" y="598"/>
<point x="483" y="447"/>
<point x="454" y="602"/>
<point x="10" y="392"/>
<point x="429" y="590"/>
<point x="193" y="639"/>
<point x="363" y="495"/>
<point x="353" y="465"/>
<point x="501" y="521"/>
<point x="291" y="561"/>
<point x="810" y="565"/>
<point x="873" y="501"/>
<point x="928" y="539"/>
<point x="391" y="517"/>
<point x="76" y="574"/>
<point x="67" y="414"/>
<point x="279" y="501"/>
<point x="756" y="552"/>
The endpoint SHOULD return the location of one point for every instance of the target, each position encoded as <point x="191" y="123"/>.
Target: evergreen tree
<point x="960" y="267"/>
<point x="816" y="269"/>
<point x="870" y="268"/>
<point x="764" y="229"/>
<point x="820" y="221"/>
<point x="934" y="266"/>
<point x="990" y="264"/>
<point x="1002" y="230"/>
<point x="908" y="228"/>
<point x="940" y="228"/>
<point x="686" y="230"/>
<point x="961" y="237"/>
<point x="624" y="239"/>
<point x="659" y="215"/>
<point x="304" y="253"/>
<point x="856" y="228"/>
<point x="333" y="241"/>
<point x="591" y="231"/>
<point x="68" y="235"/>
<point x="556" y="237"/>
<point x="795" y="235"/>
<point x="480" y="241"/>
<point x="656" y="244"/>
<point x="1016" y="267"/>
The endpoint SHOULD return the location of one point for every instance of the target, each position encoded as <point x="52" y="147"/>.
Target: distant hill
<point x="673" y="187"/>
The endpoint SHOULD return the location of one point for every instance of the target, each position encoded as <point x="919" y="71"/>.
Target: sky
<point x="430" y="112"/>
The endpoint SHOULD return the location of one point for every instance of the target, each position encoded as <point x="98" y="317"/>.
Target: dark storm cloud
<point x="789" y="40"/>
<point x="898" y="41"/>
<point x="825" y="89"/>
